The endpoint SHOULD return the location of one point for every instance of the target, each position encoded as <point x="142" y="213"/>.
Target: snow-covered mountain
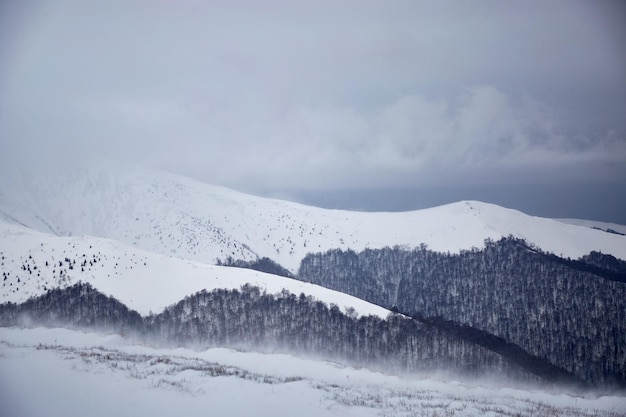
<point x="183" y="218"/>
<point x="150" y="239"/>
<point x="33" y="262"/>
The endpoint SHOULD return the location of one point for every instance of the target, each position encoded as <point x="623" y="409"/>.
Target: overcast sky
<point x="374" y="105"/>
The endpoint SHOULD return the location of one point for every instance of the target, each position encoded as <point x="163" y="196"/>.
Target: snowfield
<point x="180" y="217"/>
<point x="619" y="228"/>
<point x="146" y="282"/>
<point x="58" y="372"/>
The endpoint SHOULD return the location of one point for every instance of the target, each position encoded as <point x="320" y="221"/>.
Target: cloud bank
<point x="319" y="95"/>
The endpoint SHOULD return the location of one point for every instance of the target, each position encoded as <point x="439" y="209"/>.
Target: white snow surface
<point x="180" y="217"/>
<point x="143" y="281"/>
<point x="620" y="228"/>
<point x="59" y="372"/>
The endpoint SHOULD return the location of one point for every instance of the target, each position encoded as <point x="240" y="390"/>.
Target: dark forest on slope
<point x="570" y="312"/>
<point x="503" y="308"/>
<point x="250" y="319"/>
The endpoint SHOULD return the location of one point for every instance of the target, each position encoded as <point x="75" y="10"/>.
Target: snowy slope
<point x="619" y="228"/>
<point x="108" y="375"/>
<point x="180" y="217"/>
<point x="32" y="262"/>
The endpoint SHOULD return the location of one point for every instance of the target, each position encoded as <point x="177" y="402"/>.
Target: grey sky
<point x="312" y="97"/>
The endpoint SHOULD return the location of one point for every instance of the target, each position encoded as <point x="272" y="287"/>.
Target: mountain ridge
<point x="33" y="262"/>
<point x="180" y="217"/>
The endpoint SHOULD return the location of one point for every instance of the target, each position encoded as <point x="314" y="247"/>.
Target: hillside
<point x="569" y="312"/>
<point x="176" y="216"/>
<point x="33" y="262"/>
<point x="251" y="320"/>
<point x="604" y="226"/>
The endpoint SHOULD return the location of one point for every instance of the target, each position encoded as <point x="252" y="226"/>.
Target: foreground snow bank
<point x="58" y="372"/>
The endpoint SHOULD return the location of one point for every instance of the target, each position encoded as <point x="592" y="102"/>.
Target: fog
<point x="158" y="382"/>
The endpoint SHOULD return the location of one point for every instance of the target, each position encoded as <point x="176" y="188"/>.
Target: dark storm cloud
<point x="320" y="95"/>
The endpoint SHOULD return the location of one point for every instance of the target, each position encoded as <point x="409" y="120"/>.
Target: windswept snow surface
<point x="143" y="281"/>
<point x="58" y="372"/>
<point x="176" y="216"/>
